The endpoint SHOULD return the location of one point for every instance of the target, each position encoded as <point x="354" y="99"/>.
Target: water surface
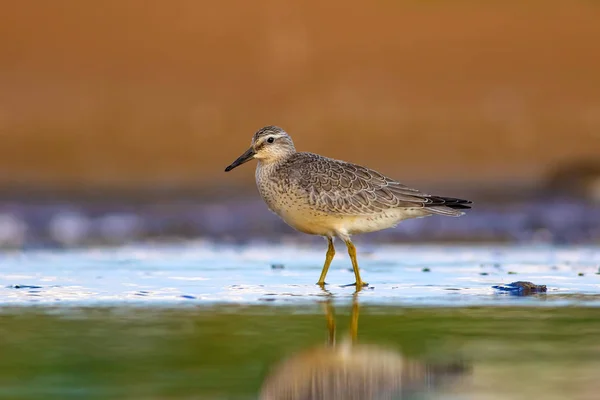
<point x="208" y="273"/>
<point x="202" y="320"/>
<point x="228" y="352"/>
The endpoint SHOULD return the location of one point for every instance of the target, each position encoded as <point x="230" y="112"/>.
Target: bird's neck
<point x="266" y="168"/>
<point x="275" y="161"/>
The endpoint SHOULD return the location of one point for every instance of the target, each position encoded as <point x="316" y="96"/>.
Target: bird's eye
<point x="271" y="139"/>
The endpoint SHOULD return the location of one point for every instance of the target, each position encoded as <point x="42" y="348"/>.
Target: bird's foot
<point x="322" y="284"/>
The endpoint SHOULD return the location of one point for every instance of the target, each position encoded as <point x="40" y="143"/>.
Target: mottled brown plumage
<point x="322" y="196"/>
<point x="349" y="189"/>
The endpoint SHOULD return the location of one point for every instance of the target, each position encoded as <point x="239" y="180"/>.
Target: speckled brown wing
<point x="339" y="187"/>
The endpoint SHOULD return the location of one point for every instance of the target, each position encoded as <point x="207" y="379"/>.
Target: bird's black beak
<point x="247" y="156"/>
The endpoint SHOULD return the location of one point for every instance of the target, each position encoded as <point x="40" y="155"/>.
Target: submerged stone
<point x="521" y="288"/>
<point x="23" y="287"/>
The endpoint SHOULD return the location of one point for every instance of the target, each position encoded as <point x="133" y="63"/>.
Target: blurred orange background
<point x="167" y="93"/>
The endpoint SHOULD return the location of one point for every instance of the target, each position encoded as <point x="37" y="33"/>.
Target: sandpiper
<point x="332" y="198"/>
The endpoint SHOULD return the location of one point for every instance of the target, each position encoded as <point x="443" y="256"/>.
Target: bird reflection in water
<point x="349" y="370"/>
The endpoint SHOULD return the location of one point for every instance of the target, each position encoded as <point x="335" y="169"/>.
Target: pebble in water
<point x="521" y="288"/>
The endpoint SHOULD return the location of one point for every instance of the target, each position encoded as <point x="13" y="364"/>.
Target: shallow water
<point x="204" y="272"/>
<point x="233" y="352"/>
<point x="210" y="321"/>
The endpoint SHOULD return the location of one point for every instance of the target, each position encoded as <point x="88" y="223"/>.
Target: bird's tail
<point x="448" y="206"/>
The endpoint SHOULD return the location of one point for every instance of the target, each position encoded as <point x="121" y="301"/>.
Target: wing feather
<point x="349" y="189"/>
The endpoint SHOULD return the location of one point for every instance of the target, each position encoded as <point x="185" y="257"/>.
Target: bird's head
<point x="269" y="144"/>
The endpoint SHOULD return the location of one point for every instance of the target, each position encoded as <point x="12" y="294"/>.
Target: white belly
<point x="316" y="223"/>
<point x="378" y="222"/>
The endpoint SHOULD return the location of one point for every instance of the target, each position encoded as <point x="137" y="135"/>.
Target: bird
<point x="323" y="196"/>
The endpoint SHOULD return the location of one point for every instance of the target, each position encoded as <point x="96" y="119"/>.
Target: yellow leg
<point x="352" y="252"/>
<point x="354" y="320"/>
<point x="330" y="323"/>
<point x="328" y="258"/>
